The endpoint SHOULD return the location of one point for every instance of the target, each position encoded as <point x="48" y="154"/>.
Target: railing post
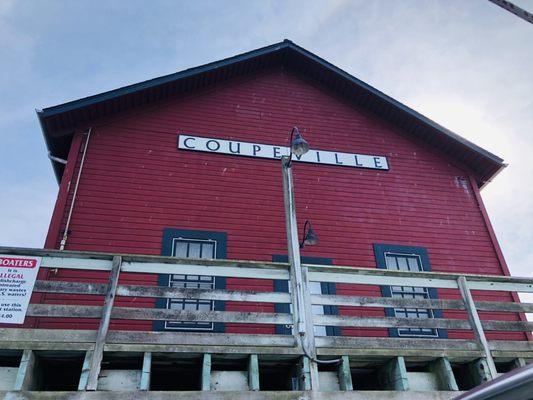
<point x="94" y="371"/>
<point x="309" y="338"/>
<point x="475" y="322"/>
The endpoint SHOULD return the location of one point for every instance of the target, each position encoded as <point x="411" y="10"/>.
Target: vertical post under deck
<point x="253" y="372"/>
<point x="146" y="372"/>
<point x="206" y="372"/>
<point x="26" y="379"/>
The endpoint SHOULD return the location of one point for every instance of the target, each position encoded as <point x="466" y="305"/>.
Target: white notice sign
<point x="17" y="277"/>
<point x="237" y="148"/>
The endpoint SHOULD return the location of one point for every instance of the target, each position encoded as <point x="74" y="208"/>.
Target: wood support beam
<point x="393" y="375"/>
<point x="27" y="372"/>
<point x="146" y="371"/>
<point x="519" y="362"/>
<point x="443" y="370"/>
<point x="303" y="374"/>
<point x="479" y="372"/>
<point x="206" y="373"/>
<point x="345" y="375"/>
<point x="253" y="372"/>
<point x="94" y="371"/>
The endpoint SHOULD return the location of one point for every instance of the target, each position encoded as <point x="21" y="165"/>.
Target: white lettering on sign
<point x="17" y="278"/>
<point x="237" y="148"/>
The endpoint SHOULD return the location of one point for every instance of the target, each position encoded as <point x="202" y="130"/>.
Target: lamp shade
<point x="299" y="145"/>
<point x="311" y="238"/>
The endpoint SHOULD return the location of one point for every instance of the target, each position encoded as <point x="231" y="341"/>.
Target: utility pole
<point x="519" y="12"/>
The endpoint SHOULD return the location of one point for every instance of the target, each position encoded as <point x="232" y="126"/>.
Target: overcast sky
<point x="466" y="64"/>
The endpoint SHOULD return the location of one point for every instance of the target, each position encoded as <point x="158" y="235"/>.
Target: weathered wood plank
<point x="204" y="294"/>
<point x="232" y="269"/>
<point x="522" y="326"/>
<point x="157" y="314"/>
<point x="62" y="310"/>
<point x="504" y="306"/>
<point x="394" y="343"/>
<point x="356" y="301"/>
<point x="202" y="349"/>
<point x="70" y="287"/>
<point x="193" y="338"/>
<point x="231" y="395"/>
<point x="196" y="316"/>
<point x="446" y="276"/>
<point x="253" y="372"/>
<point x="391" y="322"/>
<point x="94" y="371"/>
<point x="375" y="279"/>
<point x="46" y="335"/>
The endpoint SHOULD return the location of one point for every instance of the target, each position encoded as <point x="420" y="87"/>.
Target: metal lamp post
<point x="302" y="313"/>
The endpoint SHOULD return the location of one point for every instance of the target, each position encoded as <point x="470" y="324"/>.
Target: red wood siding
<point x="136" y="182"/>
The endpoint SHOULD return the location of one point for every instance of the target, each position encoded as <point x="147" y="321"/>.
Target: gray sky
<point x="466" y="64"/>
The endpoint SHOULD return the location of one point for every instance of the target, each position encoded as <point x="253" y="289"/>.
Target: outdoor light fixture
<point x="309" y="238"/>
<point x="299" y="145"/>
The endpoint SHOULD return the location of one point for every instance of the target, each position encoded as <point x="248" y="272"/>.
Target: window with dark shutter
<point x="196" y="245"/>
<point x="414" y="259"/>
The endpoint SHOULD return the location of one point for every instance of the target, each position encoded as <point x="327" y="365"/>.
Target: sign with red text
<point x="17" y="278"/>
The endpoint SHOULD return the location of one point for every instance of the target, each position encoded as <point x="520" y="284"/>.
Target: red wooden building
<point x="398" y="191"/>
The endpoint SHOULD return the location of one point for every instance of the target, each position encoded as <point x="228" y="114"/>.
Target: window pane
<point x="194" y="250"/>
<point x="180" y="249"/>
<point x="402" y="263"/>
<point x="391" y="262"/>
<point x="208" y="250"/>
<point x="413" y="264"/>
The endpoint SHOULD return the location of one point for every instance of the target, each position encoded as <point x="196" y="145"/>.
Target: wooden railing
<point x="118" y="266"/>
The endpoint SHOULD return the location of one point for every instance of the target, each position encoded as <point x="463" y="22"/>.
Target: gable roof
<point x="58" y="122"/>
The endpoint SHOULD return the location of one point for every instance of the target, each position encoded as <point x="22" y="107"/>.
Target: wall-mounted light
<point x="309" y="236"/>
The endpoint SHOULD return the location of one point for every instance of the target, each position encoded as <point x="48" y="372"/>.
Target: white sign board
<point x="17" y="277"/>
<point x="237" y="148"/>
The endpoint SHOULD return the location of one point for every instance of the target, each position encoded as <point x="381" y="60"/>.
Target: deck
<point x="109" y="363"/>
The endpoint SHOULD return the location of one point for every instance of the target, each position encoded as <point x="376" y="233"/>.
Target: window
<point x="406" y="258"/>
<point x="192" y="244"/>
<point x="314" y="288"/>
